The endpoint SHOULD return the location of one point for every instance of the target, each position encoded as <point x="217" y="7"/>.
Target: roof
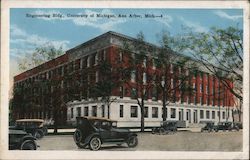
<point x="97" y="118"/>
<point x="30" y="120"/>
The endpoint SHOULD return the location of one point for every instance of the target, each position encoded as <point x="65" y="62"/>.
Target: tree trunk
<point x="142" y="115"/>
<point x="55" y="121"/>
<point x="164" y="117"/>
<point x="108" y="105"/>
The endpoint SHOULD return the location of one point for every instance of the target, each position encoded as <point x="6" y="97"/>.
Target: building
<point x="71" y="76"/>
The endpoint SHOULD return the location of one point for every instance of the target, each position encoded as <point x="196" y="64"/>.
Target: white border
<point x="5" y="154"/>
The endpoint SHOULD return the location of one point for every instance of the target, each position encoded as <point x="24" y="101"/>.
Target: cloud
<point x="227" y="16"/>
<point x="101" y="23"/>
<point x="197" y="27"/>
<point x="22" y="38"/>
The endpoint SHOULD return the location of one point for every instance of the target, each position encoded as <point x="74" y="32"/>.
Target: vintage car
<point x="224" y="126"/>
<point x="167" y="127"/>
<point x="34" y="126"/>
<point x="93" y="132"/>
<point x="19" y="139"/>
<point x="208" y="126"/>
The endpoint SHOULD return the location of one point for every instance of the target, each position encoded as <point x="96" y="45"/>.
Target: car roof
<point x="96" y="118"/>
<point x="30" y="120"/>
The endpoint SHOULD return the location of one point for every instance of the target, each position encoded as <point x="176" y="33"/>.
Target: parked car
<point x="166" y="127"/>
<point x="19" y="139"/>
<point x="209" y="126"/>
<point x="93" y="132"/>
<point x="225" y="126"/>
<point x="238" y="124"/>
<point x="34" y="126"/>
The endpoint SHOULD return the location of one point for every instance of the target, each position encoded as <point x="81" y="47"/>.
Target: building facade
<point x="62" y="88"/>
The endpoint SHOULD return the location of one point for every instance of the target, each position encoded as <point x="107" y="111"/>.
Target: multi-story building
<point x="62" y="87"/>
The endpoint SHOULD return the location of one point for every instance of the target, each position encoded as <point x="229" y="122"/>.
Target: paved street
<point x="181" y="141"/>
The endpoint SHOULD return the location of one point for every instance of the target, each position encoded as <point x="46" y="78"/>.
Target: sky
<point x="33" y="27"/>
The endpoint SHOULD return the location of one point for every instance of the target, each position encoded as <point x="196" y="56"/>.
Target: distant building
<point x="78" y="69"/>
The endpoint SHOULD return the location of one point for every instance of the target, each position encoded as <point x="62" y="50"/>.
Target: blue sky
<point x="27" y="33"/>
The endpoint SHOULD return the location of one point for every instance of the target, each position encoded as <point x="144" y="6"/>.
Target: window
<point x="134" y="111"/>
<point x="103" y="111"/>
<point x="200" y="88"/>
<point x="88" y="61"/>
<point x="153" y="63"/>
<point x="144" y="78"/>
<point x="171" y="68"/>
<point x="133" y="76"/>
<point x="96" y="58"/>
<point x="120" y="56"/>
<point x="206" y="89"/>
<point x="213" y="114"/>
<point x="201" y="114"/>
<point x="121" y="110"/>
<point x="208" y="114"/>
<point x="96" y="76"/>
<point x="146" y="112"/>
<point x="133" y="93"/>
<point x="172" y="83"/>
<point x="72" y="112"/>
<point x="144" y="62"/>
<point x="154" y="112"/>
<point x="154" y="94"/>
<point x="223" y="115"/>
<point x="94" y="111"/>
<point x="78" y="111"/>
<point x="121" y="91"/>
<point x="104" y="54"/>
<point x="86" y="111"/>
<point x="173" y="112"/>
<point x="200" y="100"/>
<point x="218" y="113"/>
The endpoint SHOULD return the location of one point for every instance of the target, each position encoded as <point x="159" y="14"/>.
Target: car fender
<point x="28" y="137"/>
<point x="87" y="140"/>
<point x="131" y="135"/>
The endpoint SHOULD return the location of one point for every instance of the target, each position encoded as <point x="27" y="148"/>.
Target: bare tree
<point x="220" y="51"/>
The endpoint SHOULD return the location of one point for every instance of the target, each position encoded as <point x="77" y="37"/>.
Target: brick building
<point x="71" y="76"/>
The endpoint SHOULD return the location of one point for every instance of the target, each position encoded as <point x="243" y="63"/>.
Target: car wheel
<point x="78" y="138"/>
<point x="95" y="143"/>
<point x="28" y="145"/>
<point x="161" y="131"/>
<point x="38" y="134"/>
<point x="132" y="141"/>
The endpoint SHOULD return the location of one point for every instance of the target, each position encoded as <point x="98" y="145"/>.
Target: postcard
<point x="124" y="80"/>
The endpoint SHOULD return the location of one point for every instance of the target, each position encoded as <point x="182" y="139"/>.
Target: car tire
<point x="38" y="134"/>
<point x="78" y="139"/>
<point x="132" y="141"/>
<point x="161" y="131"/>
<point x="28" y="145"/>
<point x="95" y="143"/>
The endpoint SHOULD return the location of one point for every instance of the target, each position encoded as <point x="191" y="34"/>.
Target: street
<point x="181" y="141"/>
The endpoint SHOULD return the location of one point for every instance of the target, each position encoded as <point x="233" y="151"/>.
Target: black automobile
<point x="225" y="126"/>
<point x="208" y="126"/>
<point x="167" y="127"/>
<point x="93" y="132"/>
<point x="36" y="127"/>
<point x="19" y="139"/>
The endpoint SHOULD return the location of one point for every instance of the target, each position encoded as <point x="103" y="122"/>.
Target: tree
<point x="40" y="55"/>
<point x="220" y="51"/>
<point x="137" y="53"/>
<point x="42" y="92"/>
<point x="173" y="69"/>
<point x="107" y="82"/>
